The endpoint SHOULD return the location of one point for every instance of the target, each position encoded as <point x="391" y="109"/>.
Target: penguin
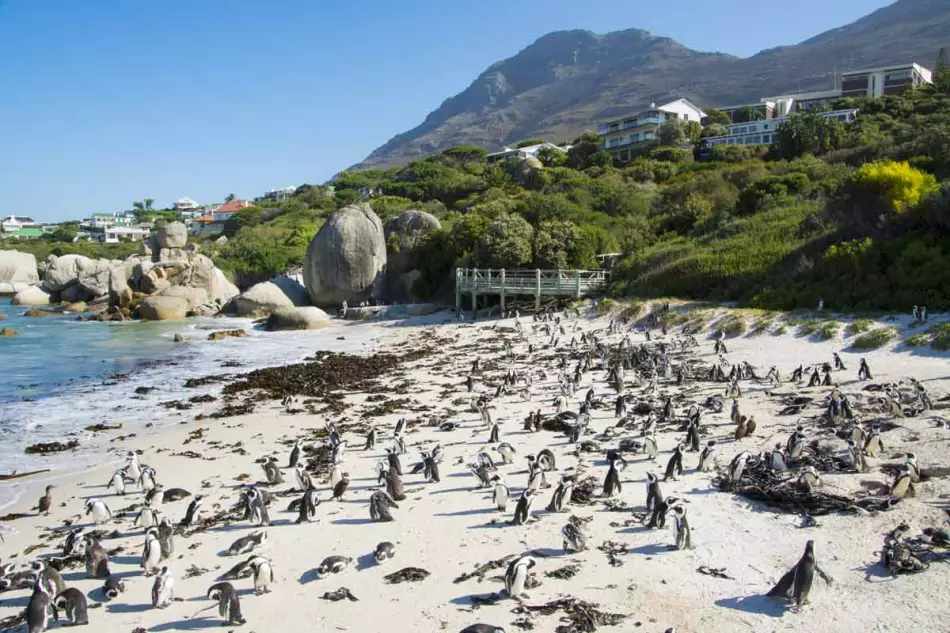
<point x="272" y="473"/>
<point x="737" y="467"/>
<point x="263" y="574"/>
<point x="75" y="543"/>
<point x="682" y="527"/>
<point x="113" y="587"/>
<point x="175" y="494"/>
<point x="523" y="509"/>
<point x="650" y="448"/>
<point x="379" y="505"/>
<point x="163" y="589"/>
<point x="384" y="551"/>
<point x="517" y="574"/>
<point x="400" y="427"/>
<point x="874" y="444"/>
<point x="194" y="508"/>
<point x="535" y="477"/>
<point x="654" y="495"/>
<point x="294" y="456"/>
<point x="99" y="510"/>
<point x="166" y="537"/>
<point x="394" y="485"/>
<point x="371" y="437"/>
<point x="51" y="576"/>
<point x="37" y="610"/>
<point x="340" y="488"/>
<point x="507" y="452"/>
<point x="692" y="435"/>
<point x="46" y="501"/>
<point x="431" y="468"/>
<point x="307" y="506"/>
<point x="494" y="434"/>
<point x="338" y="452"/>
<point x="229" y="605"/>
<point x="73" y="602"/>
<point x="241" y="570"/>
<point x="777" y="458"/>
<point x="856" y="457"/>
<point x="674" y="466"/>
<point x="146" y="518"/>
<point x="864" y="370"/>
<point x="546" y="459"/>
<point x="901" y="485"/>
<point x="482" y="628"/>
<point x="809" y="479"/>
<point x="706" y="457"/>
<point x="155" y="497"/>
<point x="336" y="474"/>
<point x="742" y="429"/>
<point x="248" y="543"/>
<point x="910" y="463"/>
<point x="147" y="479"/>
<point x="333" y="565"/>
<point x="117" y="482"/>
<point x="796" y="584"/>
<point x="612" y="480"/>
<point x="500" y="494"/>
<point x="562" y="494"/>
<point x="394" y="463"/>
<point x="302" y="477"/>
<point x="97" y="560"/>
<point x="151" y="553"/>
<point x="133" y="469"/>
<point x="257" y="507"/>
<point x="858" y="435"/>
<point x="573" y="537"/>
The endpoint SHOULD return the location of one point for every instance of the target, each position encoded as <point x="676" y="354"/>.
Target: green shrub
<point x="607" y="306"/>
<point x="631" y="310"/>
<point x="828" y="330"/>
<point x="733" y="325"/>
<point x="807" y="328"/>
<point x="858" y="326"/>
<point x="941" y="337"/>
<point x="918" y="340"/>
<point x="782" y="329"/>
<point x="875" y="338"/>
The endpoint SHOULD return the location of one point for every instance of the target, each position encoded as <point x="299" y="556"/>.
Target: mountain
<point x="568" y="81"/>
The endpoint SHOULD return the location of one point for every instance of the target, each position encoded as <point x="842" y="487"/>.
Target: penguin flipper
<point x="783" y="589"/>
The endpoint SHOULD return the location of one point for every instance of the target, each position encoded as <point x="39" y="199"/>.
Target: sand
<point x="450" y="527"/>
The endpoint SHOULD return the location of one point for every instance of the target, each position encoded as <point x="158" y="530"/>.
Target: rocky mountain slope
<point x="566" y="82"/>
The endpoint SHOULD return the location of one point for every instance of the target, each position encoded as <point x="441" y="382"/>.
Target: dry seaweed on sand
<point x="409" y="574"/>
<point x="45" y="448"/>
<point x="564" y="573"/>
<point x="194" y="571"/>
<point x="614" y="551"/>
<point x="584" y="491"/>
<point x="481" y="570"/>
<point x="908" y="555"/>
<point x="340" y="594"/>
<point x="12" y="622"/>
<point x="715" y="572"/>
<point x="578" y="616"/>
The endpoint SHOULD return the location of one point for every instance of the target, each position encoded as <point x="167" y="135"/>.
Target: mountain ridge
<point x="568" y="81"/>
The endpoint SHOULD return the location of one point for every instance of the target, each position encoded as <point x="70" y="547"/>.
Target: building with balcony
<point x="621" y="135"/>
<point x="763" y="132"/>
<point x="279" y="195"/>
<point x="523" y="152"/>
<point x="760" y="111"/>
<point x="185" y="204"/>
<point x="885" y="80"/>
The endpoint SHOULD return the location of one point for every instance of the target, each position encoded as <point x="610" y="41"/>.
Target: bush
<point x="858" y="326"/>
<point x="781" y="329"/>
<point x="941" y="337"/>
<point x="828" y="330"/>
<point x="918" y="340"/>
<point x="672" y="154"/>
<point x="807" y="328"/>
<point x="875" y="338"/>
<point x="733" y="325"/>
<point x="631" y="310"/>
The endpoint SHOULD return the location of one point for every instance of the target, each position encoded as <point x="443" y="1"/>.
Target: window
<point x="685" y="117"/>
<point x="766" y="138"/>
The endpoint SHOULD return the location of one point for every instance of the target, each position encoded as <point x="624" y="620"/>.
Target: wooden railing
<point x="537" y="283"/>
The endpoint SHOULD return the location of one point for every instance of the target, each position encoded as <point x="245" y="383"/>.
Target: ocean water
<point x="61" y="375"/>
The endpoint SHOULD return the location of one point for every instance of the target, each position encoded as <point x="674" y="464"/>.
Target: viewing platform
<point x="536" y="283"/>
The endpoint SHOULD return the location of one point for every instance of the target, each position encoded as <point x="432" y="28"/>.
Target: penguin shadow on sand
<point x="652" y="549"/>
<point x="19" y="602"/>
<point x="366" y="561"/>
<point x="192" y="624"/>
<point x="309" y="576"/>
<point x="761" y="604"/>
<point x="470" y="512"/>
<point x="120" y="607"/>
<point x="352" y="521"/>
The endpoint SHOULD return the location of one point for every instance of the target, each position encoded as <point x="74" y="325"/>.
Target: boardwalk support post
<point x="537" y="289"/>
<point x="577" y="284"/>
<point x="458" y="290"/>
<point x="503" y="293"/>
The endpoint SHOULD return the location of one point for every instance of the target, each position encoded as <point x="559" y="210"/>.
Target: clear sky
<point x="103" y="102"/>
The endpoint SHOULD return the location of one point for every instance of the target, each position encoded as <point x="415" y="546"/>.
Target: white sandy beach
<point x="448" y="528"/>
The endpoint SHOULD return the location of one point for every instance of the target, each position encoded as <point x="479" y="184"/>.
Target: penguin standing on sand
<point x="517" y="575"/>
<point x="682" y="527"/>
<point x="654" y="495"/>
<point x="574" y="539"/>
<point x="75" y="543"/>
<point x="263" y="574"/>
<point x="431" y="468"/>
<point x="340" y="488"/>
<point x="737" y="467"/>
<point x="99" y="510"/>
<point x="163" y="589"/>
<point x="37" y="611"/>
<point x="796" y="584"/>
<point x="302" y="477"/>
<point x="117" y="482"/>
<point x="500" y="494"/>
<point x="229" y="605"/>
<point x="194" y="508"/>
<point x="257" y="507"/>
<point x="562" y="494"/>
<point x="379" y="505"/>
<point x="371" y="437"/>
<point x="706" y="457"/>
<point x="902" y="484"/>
<point x="874" y="444"/>
<point x="308" y="506"/>
<point x="151" y="553"/>
<point x="73" y="602"/>
<point x="494" y="434"/>
<point x="523" y="509"/>
<point x="272" y="473"/>
<point x="864" y="370"/>
<point x="294" y="455"/>
<point x="612" y="480"/>
<point x="97" y="560"/>
<point x="674" y="467"/>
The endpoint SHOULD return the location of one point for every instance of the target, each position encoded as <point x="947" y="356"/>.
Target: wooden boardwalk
<point x="535" y="283"/>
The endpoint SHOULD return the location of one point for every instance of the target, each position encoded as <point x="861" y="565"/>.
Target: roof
<point x="530" y="149"/>
<point x="18" y="218"/>
<point x="922" y="70"/>
<point x="103" y="215"/>
<point x="234" y="205"/>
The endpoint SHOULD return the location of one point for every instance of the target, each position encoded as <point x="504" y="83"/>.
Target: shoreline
<point x="448" y="528"/>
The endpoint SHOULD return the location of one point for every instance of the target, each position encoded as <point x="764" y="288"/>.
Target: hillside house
<point x="522" y="152"/>
<point x="620" y="135"/>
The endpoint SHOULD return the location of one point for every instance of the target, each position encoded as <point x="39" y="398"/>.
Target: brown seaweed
<point x="408" y="574"/>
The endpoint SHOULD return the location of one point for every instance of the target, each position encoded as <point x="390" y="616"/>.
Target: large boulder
<point x="31" y="296"/>
<point x="346" y="259"/>
<point x="172" y="235"/>
<point x="193" y="296"/>
<point x="306" y="318"/>
<point x="17" y="271"/>
<point x="412" y="223"/>
<point x="264" y="298"/>
<point x="404" y="234"/>
<point x="92" y="275"/>
<point x="164" y="308"/>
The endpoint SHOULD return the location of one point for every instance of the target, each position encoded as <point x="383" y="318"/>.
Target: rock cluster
<point x="17" y="271"/>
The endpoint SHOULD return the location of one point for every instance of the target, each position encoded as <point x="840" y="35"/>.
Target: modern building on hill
<point x="14" y="223"/>
<point x="884" y="80"/>
<point x="185" y="204"/>
<point x="115" y="234"/>
<point x="279" y="195"/>
<point x="620" y="135"/>
<point x="522" y="152"/>
<point x="763" y="132"/>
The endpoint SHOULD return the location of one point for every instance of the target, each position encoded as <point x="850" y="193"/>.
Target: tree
<point x="693" y="131"/>
<point x="879" y="193"/>
<point x="466" y="153"/>
<point x="587" y="151"/>
<point x="551" y="157"/>
<point x="138" y="206"/>
<point x="507" y="243"/>
<point x="714" y="129"/>
<point x="941" y="76"/>
<point x="748" y="113"/>
<point x="807" y="133"/>
<point x="229" y="197"/>
<point x="673" y="132"/>
<point x="714" y="116"/>
<point x="148" y="202"/>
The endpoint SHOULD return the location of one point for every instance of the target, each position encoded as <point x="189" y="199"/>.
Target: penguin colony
<point x="600" y="370"/>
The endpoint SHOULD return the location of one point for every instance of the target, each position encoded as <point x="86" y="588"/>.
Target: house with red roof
<point x="228" y="209"/>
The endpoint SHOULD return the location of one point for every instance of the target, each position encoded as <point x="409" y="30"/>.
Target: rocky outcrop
<point x="31" y="296"/>
<point x="195" y="297"/>
<point x="404" y="234"/>
<point x="8" y="332"/>
<point x="17" y="271"/>
<point x="346" y="259"/>
<point x="223" y="334"/>
<point x="264" y="298"/>
<point x="172" y="235"/>
<point x="78" y="278"/>
<point x="308" y="318"/>
<point x="167" y="308"/>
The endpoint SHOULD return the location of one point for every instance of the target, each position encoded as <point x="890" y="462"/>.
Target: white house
<point x="117" y="234"/>
<point x="523" y="152"/>
<point x="279" y="195"/>
<point x="13" y="223"/>
<point x="621" y="134"/>
<point x="185" y="204"/>
<point x="763" y="132"/>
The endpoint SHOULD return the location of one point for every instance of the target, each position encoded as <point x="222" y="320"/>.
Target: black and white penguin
<point x="99" y="510"/>
<point x="796" y="584"/>
<point x="523" y="509"/>
<point x="737" y="467"/>
<point x="113" y="587"/>
<point x="856" y="457"/>
<point x="809" y="479"/>
<point x="517" y="575"/>
<point x="147" y="479"/>
<point x="37" y="610"/>
<point x="431" y="468"/>
<point x="229" y="605"/>
<point x="247" y="544"/>
<point x="340" y="488"/>
<point x="562" y="494"/>
<point x="910" y="463"/>
<point x="97" y="560"/>
<point x="75" y="543"/>
<point x="874" y="444"/>
<point x="51" y="576"/>
<point x="682" y="527"/>
<point x="545" y="459"/>
<point x="155" y="497"/>
<point x="654" y="495"/>
<point x="494" y="434"/>
<point x="163" y="589"/>
<point x="507" y="452"/>
<point x="379" y="505"/>
<point x="294" y="456"/>
<point x="272" y="474"/>
<point x="393" y="458"/>
<point x="482" y="628"/>
<point x="674" y="466"/>
<point x="73" y="602"/>
<point x="146" y="518"/>
<point x="864" y="370"/>
<point x="706" y="457"/>
<point x="307" y="506"/>
<point x="612" y="480"/>
<point x="384" y="551"/>
<point x="650" y="448"/>
<point x="777" y="458"/>
<point x="194" y="508"/>
<point x="151" y="552"/>
<point x="573" y="538"/>
<point x="902" y="484"/>
<point x="302" y="477"/>
<point x="166" y="537"/>
<point x="256" y="507"/>
<point x="174" y="494"/>
<point x="333" y="565"/>
<point x="263" y="574"/>
<point x="535" y="476"/>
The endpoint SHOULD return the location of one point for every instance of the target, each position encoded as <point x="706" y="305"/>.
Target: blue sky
<point x="103" y="102"/>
